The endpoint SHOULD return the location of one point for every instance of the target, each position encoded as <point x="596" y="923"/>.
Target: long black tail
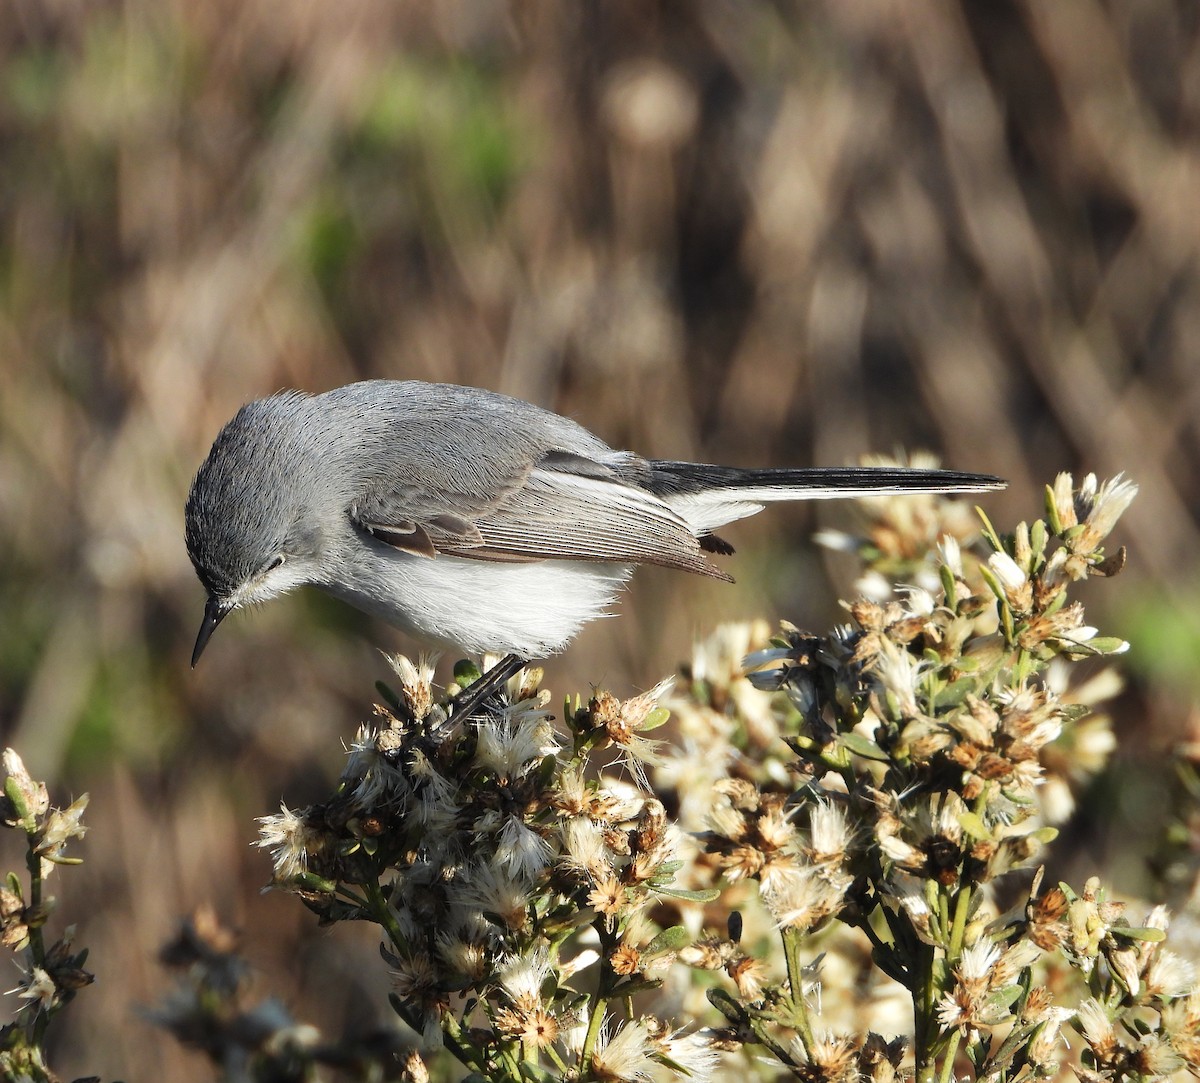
<point x="669" y="479"/>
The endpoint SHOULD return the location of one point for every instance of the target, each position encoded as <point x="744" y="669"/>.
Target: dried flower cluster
<point x="210" y="1009"/>
<point x="519" y="895"/>
<point x="805" y="873"/>
<point x="867" y="788"/>
<point x="905" y="764"/>
<point x="50" y="975"/>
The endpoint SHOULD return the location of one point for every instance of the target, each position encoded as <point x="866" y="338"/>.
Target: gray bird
<point x="466" y="517"/>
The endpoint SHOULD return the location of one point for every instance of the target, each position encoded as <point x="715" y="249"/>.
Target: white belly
<point x="477" y="606"/>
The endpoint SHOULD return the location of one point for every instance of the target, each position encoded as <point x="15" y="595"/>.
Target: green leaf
<point x="949" y="586"/>
<point x="545" y="771"/>
<point x="671" y="939"/>
<point x="1073" y="532"/>
<point x="1006" y="623"/>
<point x="12" y="790"/>
<point x="974" y="826"/>
<point x="636" y="985"/>
<point x="863" y="746"/>
<point x="668" y="869"/>
<point x="1005" y="996"/>
<point x="989" y="531"/>
<point x="701" y="895"/>
<point x="1017" y="797"/>
<point x="310" y="881"/>
<point x="1056" y="603"/>
<point x="1052" y="512"/>
<point x="1106" y="645"/>
<point x="726" y="1005"/>
<point x="654" y="719"/>
<point x="955" y="693"/>
<point x="989" y="577"/>
<point x="1147" y="933"/>
<point x="1037" y="541"/>
<point x="389" y="697"/>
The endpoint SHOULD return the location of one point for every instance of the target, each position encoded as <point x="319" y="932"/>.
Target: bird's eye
<point x="275" y="563"/>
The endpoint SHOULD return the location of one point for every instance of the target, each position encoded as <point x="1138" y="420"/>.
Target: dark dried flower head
<point x="14" y="926"/>
<point x="879" y="1060"/>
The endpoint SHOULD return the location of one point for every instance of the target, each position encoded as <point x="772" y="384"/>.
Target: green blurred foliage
<point x="1165" y="633"/>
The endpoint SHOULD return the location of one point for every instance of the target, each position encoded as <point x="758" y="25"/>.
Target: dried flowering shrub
<point x="211" y="1009"/>
<point x="800" y="882"/>
<point x="50" y="974"/>
<point x="902" y="767"/>
<point x="516" y="890"/>
<point x="841" y="808"/>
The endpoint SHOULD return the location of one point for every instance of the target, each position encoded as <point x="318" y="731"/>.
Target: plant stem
<point x="33" y="862"/>
<point x="599" y="1005"/>
<point x="763" y="1033"/>
<point x="795" y="971"/>
<point x="604" y="984"/>
<point x="559" y="1063"/>
<point x="947" y="1073"/>
<point x="452" y="1037"/>
<point x="962" y="907"/>
<point x="385" y="916"/>
<point x="923" y="998"/>
<point x="37" y="943"/>
<point x="865" y="927"/>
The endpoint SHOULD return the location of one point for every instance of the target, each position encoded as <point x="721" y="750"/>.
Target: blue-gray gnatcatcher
<point x="466" y="517"/>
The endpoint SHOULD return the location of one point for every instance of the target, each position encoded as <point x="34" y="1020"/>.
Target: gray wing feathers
<point x="442" y="449"/>
<point x="494" y="478"/>
<point x="553" y="515"/>
<point x="471" y="473"/>
<point x="576" y="517"/>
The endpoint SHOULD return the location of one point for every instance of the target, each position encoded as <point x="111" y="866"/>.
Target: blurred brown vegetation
<point x="759" y="233"/>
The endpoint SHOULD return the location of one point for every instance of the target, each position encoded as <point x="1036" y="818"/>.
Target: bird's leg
<point x="477" y="691"/>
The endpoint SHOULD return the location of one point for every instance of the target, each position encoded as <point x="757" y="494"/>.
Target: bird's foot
<point x="470" y="698"/>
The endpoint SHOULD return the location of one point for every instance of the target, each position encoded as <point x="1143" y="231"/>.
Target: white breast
<point x="531" y="609"/>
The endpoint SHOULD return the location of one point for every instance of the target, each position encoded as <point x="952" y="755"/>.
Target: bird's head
<point x="252" y="527"/>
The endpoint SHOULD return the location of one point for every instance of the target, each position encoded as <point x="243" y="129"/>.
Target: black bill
<point x="214" y="613"/>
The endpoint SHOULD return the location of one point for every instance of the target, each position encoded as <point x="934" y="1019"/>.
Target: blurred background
<point x="758" y="233"/>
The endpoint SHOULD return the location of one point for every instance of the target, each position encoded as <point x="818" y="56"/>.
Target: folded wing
<point x="564" y="509"/>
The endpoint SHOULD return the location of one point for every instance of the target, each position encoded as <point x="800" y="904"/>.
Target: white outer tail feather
<point x="714" y="508"/>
